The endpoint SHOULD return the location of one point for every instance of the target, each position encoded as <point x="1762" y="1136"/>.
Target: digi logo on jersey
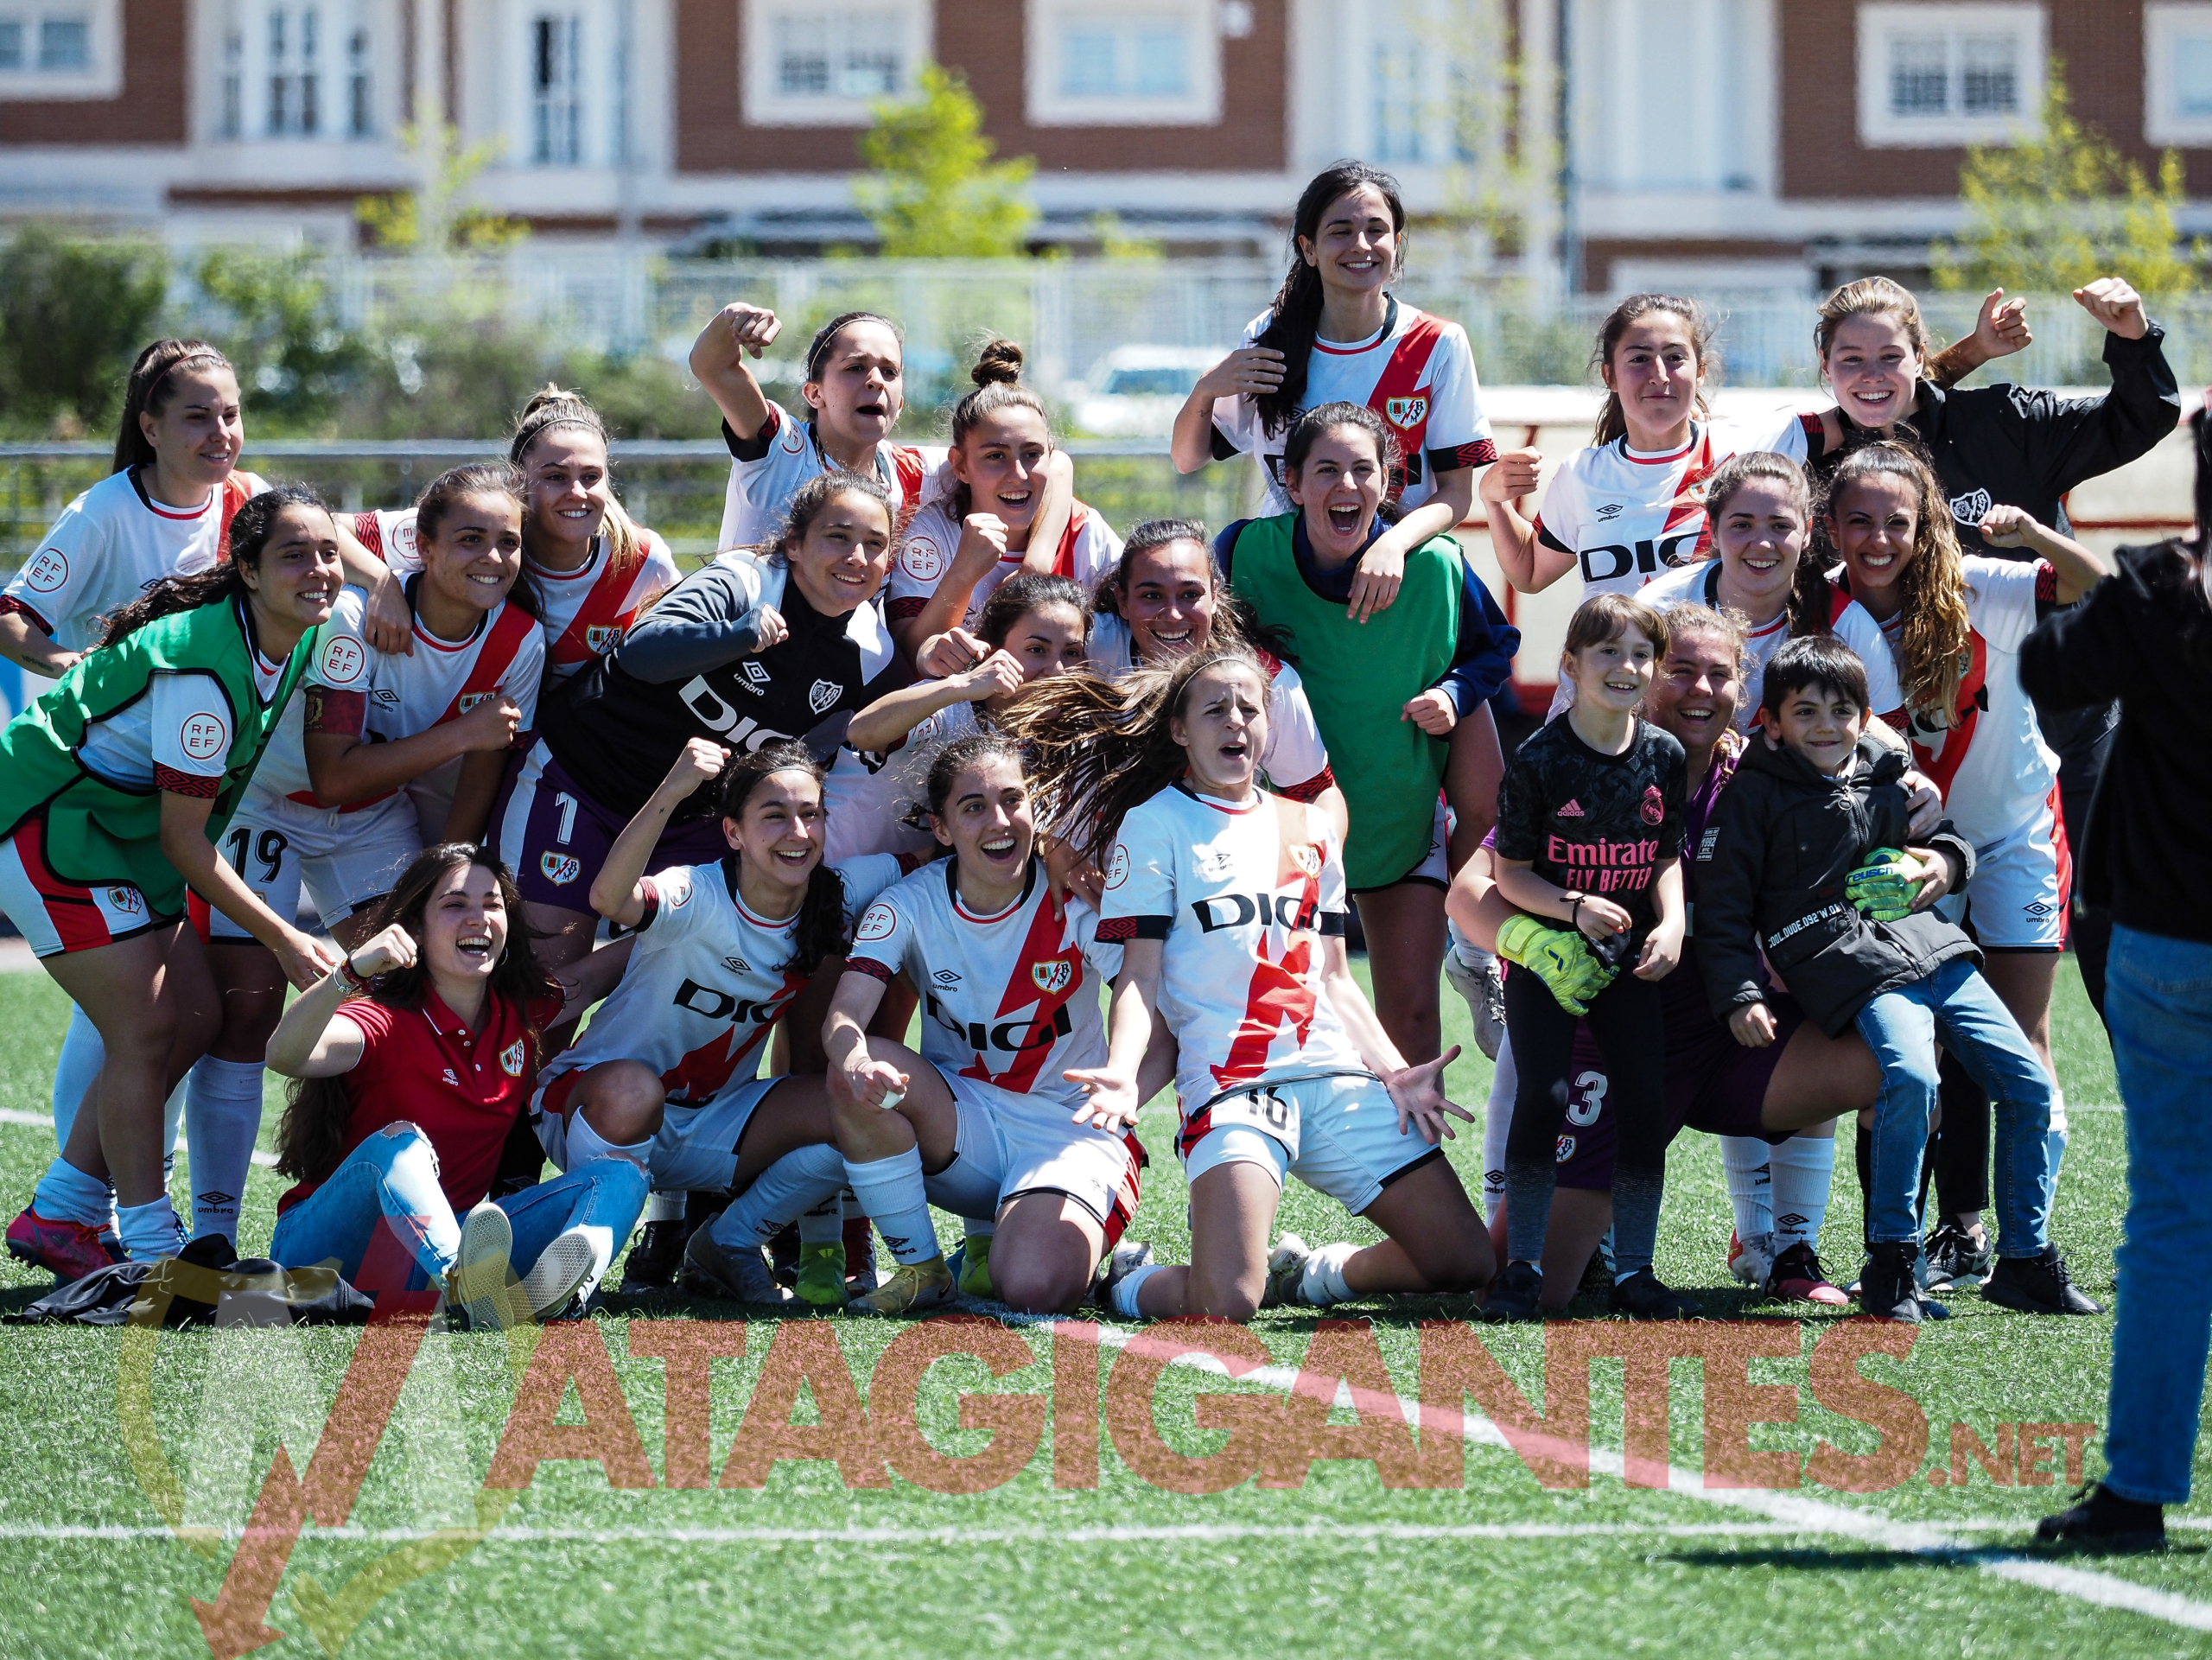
<point x="1291" y="911"/>
<point x="1010" y="1037"/>
<point x="743" y="736"/>
<point x="713" y="1004"/>
<point x="1614" y="560"/>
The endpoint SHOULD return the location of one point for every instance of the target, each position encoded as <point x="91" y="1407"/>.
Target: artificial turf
<point x="807" y="1565"/>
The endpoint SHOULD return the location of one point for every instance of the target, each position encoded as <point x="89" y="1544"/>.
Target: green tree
<point x="435" y="219"/>
<point x="932" y="191"/>
<point x="296" y="363"/>
<point x="2059" y="209"/>
<point x="73" y="313"/>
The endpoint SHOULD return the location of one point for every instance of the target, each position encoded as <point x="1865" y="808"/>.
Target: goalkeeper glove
<point x="1561" y="957"/>
<point x="1885" y="887"/>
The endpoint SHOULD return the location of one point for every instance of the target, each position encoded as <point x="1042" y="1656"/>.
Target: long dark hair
<point x="1098" y="748"/>
<point x="1294" y="321"/>
<point x="1612" y="423"/>
<point x="820" y="931"/>
<point x="1233" y="623"/>
<point x="1932" y="649"/>
<point x="311" y="1137"/>
<point x="148" y="390"/>
<point x="970" y="749"/>
<point x="250" y="528"/>
<point x="818" y="354"/>
<point x="551" y="409"/>
<point x="812" y="497"/>
<point x="997" y="375"/>
<point x="1022" y="592"/>
<point x="445" y="491"/>
<point x="1315" y="424"/>
<point x="1811" y="602"/>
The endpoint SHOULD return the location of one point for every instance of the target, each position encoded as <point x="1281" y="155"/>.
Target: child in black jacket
<point x="1802" y="860"/>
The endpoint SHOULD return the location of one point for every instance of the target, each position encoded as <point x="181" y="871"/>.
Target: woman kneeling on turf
<point x="414" y="1057"/>
<point x="1228" y="905"/>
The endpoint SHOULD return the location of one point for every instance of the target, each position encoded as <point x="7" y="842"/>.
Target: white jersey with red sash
<point x="1088" y="549"/>
<point x="767" y="471"/>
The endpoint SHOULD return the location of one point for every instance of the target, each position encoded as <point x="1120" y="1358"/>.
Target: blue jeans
<point x="392" y="1178"/>
<point x="1902" y="1028"/>
<point x="2158" y="1003"/>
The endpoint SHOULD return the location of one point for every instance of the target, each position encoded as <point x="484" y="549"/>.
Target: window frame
<point x="1043" y="26"/>
<point x="101" y="78"/>
<point x="1878" y="23"/>
<point x="2164" y="23"/>
<point x="765" y="104"/>
<point x="247" y="77"/>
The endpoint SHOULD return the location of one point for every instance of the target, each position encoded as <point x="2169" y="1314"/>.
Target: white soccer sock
<point x="65" y="1193"/>
<point x="804" y="1178"/>
<point x="1745" y="1160"/>
<point x="1802" y="1167"/>
<point x="1323" y="1282"/>
<point x="1497" y="1125"/>
<point x="149" y="1231"/>
<point x="663" y="1207"/>
<point x="222" y="1115"/>
<point x="825" y="1224"/>
<point x="1125" y="1292"/>
<point x="891" y="1192"/>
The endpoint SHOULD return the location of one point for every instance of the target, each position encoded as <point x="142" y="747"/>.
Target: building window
<point x="812" y="64"/>
<point x="1142" y="65"/>
<point x="556" y="84"/>
<point x="295" y="77"/>
<point x="295" y="71"/>
<point x="59" y="50"/>
<point x="2177" y="74"/>
<point x="360" y="119"/>
<point x="1942" y="75"/>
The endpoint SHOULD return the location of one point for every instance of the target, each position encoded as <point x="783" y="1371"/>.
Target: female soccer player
<point x="1228" y="904"/>
<point x="1954" y="623"/>
<point x="854" y="389"/>
<point x="963" y="545"/>
<point x="357" y="776"/>
<point x="1335" y="333"/>
<point x="114" y="788"/>
<point x="1397" y="695"/>
<point x="412" y="1058"/>
<point x="1590" y="832"/>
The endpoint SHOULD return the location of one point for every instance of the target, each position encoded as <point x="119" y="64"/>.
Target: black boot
<point x="2100" y="1519"/>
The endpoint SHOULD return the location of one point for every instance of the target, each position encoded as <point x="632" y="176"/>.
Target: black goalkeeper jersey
<point x="1593" y="822"/>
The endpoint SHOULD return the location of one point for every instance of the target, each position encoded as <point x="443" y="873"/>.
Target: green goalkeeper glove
<point x="1561" y="957"/>
<point x="1887" y="885"/>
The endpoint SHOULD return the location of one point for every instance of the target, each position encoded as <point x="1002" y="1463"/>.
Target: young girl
<point x="1228" y="904"/>
<point x="1954" y="623"/>
<point x="1590" y="831"/>
<point x="1396" y="696"/>
<point x="854" y="391"/>
<point x="1335" y="333"/>
<point x="413" y="1056"/>
<point x="666" y="1073"/>
<point x="963" y="545"/>
<point x="359" y="775"/>
<point x="1035" y="626"/>
<point x="114" y="788"/>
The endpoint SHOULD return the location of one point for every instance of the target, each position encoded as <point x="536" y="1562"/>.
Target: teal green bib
<point x="1358" y="677"/>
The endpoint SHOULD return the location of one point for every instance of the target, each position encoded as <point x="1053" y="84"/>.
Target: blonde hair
<point x="1933" y="648"/>
<point x="1871" y="296"/>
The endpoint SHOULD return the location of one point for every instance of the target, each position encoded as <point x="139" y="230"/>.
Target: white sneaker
<point x="1485" y="993"/>
<point x="1286" y="1272"/>
<point x="478" y="1283"/>
<point x="1751" y="1259"/>
<point x="571" y="1266"/>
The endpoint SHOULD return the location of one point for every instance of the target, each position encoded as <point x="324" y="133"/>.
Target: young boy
<point x="1801" y="859"/>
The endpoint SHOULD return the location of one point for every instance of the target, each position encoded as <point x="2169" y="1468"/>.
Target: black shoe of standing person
<point x="1518" y="1294"/>
<point x="2100" y="1519"/>
<point x="1887" y="1288"/>
<point x="2036" y="1285"/>
<point x="1641" y="1296"/>
<point x="652" y="1262"/>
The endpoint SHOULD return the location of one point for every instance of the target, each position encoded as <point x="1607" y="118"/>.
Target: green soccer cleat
<point x="971" y="1268"/>
<point x="820" y="1278"/>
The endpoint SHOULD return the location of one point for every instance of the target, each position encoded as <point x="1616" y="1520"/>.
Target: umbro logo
<point x="1573" y="810"/>
<point x="945" y="977"/>
<point x="1788" y="1224"/>
<point x="2038" y="908"/>
<point x="450" y="1079"/>
<point x="756" y="677"/>
<point x="736" y="965"/>
<point x="1607" y="510"/>
<point x="384" y="695"/>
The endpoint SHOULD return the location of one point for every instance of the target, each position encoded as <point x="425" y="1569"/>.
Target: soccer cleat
<point x="819" y="1278"/>
<point x="713" y="1269"/>
<point x="1598" y="1273"/>
<point x="1641" y="1296"/>
<point x="860" y="1256"/>
<point x="1798" y="1277"/>
<point x="568" y="1268"/>
<point x="477" y="1283"/>
<point x="1120" y="1262"/>
<point x="783" y="1253"/>
<point x="652" y="1262"/>
<point x="1750" y="1260"/>
<point x="970" y="1263"/>
<point x="2036" y="1285"/>
<point x="1286" y="1269"/>
<point x="1516" y="1295"/>
<point x="68" y="1250"/>
<point x="1887" y="1287"/>
<point x="1953" y="1261"/>
<point x="1484" y="991"/>
<point x="2101" y="1520"/>
<point x="912" y="1288"/>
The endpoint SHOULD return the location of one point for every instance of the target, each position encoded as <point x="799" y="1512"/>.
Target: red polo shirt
<point x="420" y="1065"/>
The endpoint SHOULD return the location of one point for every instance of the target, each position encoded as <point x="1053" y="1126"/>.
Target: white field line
<point x="42" y="1121"/>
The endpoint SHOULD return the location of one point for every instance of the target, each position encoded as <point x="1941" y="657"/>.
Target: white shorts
<point x="344" y="860"/>
<point x="1339" y="1135"/>
<point x="1041" y="1150"/>
<point x="695" y="1150"/>
<point x="2021" y="886"/>
<point x="54" y="916"/>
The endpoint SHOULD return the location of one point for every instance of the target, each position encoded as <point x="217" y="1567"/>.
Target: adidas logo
<point x="1573" y="810"/>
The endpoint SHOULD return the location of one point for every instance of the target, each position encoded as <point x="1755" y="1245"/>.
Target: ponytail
<point x="148" y="390"/>
<point x="551" y="409"/>
<point x="1294" y="319"/>
<point x="997" y="375"/>
<point x="250" y="528"/>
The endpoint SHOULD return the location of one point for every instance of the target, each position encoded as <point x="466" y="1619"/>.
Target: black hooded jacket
<point x="1770" y="872"/>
